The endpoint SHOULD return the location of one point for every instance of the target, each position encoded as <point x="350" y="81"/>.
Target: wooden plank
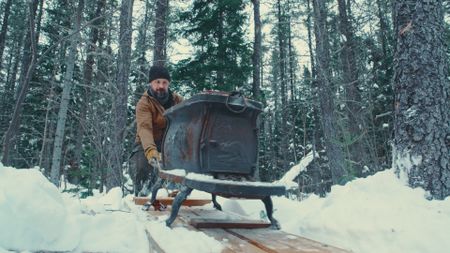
<point x="268" y="239"/>
<point x="256" y="240"/>
<point x="283" y="242"/>
<point x="230" y="242"/>
<point x="222" y="223"/>
<point x="168" y="201"/>
<point x="267" y="246"/>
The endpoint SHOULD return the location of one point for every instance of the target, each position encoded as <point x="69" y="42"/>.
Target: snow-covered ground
<point x="375" y="214"/>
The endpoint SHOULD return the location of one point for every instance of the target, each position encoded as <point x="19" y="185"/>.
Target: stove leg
<point x="215" y="203"/>
<point x="269" y="210"/>
<point x="158" y="184"/>
<point x="181" y="196"/>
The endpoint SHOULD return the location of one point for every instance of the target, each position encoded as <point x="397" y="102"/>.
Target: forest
<point x="362" y="84"/>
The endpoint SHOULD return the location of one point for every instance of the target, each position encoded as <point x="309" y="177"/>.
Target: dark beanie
<point x="158" y="72"/>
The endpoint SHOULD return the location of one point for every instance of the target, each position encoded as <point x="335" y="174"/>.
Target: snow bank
<point x="107" y="225"/>
<point x="33" y="213"/>
<point x="176" y="239"/>
<point x="112" y="232"/>
<point x="375" y="214"/>
<point x="371" y="215"/>
<point x="35" y="216"/>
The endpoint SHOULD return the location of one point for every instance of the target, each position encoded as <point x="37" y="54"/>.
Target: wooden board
<point x="167" y="201"/>
<point x="255" y="240"/>
<point x="223" y="223"/>
<point x="282" y="242"/>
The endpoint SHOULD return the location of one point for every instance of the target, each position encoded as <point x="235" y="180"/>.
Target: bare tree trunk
<point x="87" y="82"/>
<point x="360" y="150"/>
<point x="220" y="49"/>
<point x="7" y="98"/>
<point x="283" y="82"/>
<point x="49" y="126"/>
<point x="329" y="119"/>
<point x="421" y="151"/>
<point x="39" y="18"/>
<point x="28" y="66"/>
<point x="256" y="60"/>
<point x="310" y="43"/>
<point x="291" y="59"/>
<point x="383" y="29"/>
<point x="64" y="105"/>
<point x="114" y="175"/>
<point x="4" y="29"/>
<point x="142" y="46"/>
<point x="159" y="51"/>
<point x="256" y="57"/>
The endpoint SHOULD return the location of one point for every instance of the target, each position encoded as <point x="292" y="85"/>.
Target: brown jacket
<point x="150" y="121"/>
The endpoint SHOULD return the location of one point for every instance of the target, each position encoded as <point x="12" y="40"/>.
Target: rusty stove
<point x="213" y="137"/>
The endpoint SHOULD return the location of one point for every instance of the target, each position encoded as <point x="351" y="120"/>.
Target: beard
<point x="161" y="94"/>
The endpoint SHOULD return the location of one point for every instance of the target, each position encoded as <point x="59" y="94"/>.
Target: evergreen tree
<point x="222" y="58"/>
<point x="422" y="104"/>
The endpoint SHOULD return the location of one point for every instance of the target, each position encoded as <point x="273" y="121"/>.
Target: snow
<point x="211" y="179"/>
<point x="179" y="239"/>
<point x="36" y="216"/>
<point x="33" y="213"/>
<point x="375" y="214"/>
<point x="176" y="172"/>
<point x="403" y="161"/>
<point x="289" y="177"/>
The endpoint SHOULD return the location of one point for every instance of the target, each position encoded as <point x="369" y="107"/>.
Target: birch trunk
<point x="65" y="98"/>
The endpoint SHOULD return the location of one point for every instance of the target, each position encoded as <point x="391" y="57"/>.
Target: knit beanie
<point x="158" y="72"/>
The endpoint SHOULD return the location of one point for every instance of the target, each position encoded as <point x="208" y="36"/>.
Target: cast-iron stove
<point x="213" y="137"/>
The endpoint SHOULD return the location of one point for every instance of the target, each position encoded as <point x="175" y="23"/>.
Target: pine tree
<point x="222" y="57"/>
<point x="422" y="103"/>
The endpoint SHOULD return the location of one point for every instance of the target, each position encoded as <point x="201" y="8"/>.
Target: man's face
<point x="160" y="87"/>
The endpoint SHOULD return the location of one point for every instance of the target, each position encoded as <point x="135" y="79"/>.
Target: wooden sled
<point x="224" y="227"/>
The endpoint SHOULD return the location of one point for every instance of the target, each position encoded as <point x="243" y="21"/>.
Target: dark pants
<point x="142" y="174"/>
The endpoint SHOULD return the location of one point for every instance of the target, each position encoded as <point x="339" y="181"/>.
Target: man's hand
<point x="152" y="154"/>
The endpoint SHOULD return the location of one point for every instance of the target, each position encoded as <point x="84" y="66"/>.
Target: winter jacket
<point x="150" y="121"/>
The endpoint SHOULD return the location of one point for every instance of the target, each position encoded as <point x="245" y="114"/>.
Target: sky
<point x="370" y="215"/>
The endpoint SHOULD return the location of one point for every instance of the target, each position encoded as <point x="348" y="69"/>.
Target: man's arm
<point x="144" y="122"/>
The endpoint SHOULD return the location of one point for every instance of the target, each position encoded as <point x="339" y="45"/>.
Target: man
<point x="151" y="124"/>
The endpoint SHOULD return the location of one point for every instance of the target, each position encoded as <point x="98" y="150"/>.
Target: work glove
<point x="153" y="156"/>
<point x="152" y="153"/>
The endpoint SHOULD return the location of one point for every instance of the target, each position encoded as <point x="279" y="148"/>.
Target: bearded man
<point x="151" y="124"/>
